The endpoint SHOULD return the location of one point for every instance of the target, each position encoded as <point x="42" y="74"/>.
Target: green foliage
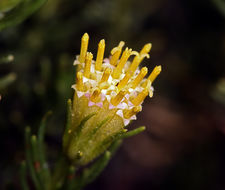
<point x="6" y="59"/>
<point x="132" y="132"/>
<point x="23" y="173"/>
<point x="218" y="92"/>
<point x="64" y="175"/>
<point x="220" y="4"/>
<point x="7" y="80"/>
<point x="35" y="156"/>
<point x="6" y="5"/>
<point x="30" y="159"/>
<point x="91" y="173"/>
<point x="21" y="10"/>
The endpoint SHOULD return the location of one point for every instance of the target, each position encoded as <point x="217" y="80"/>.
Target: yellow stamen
<point x="87" y="67"/>
<point x="156" y="71"/>
<point x="129" y="113"/>
<point x="104" y="85"/>
<point x="138" y="59"/>
<point x="105" y="75"/>
<point x="136" y="62"/>
<point x="124" y="81"/>
<point x="121" y="44"/>
<point x="126" y="54"/>
<point x="140" y="97"/>
<point x="139" y="78"/>
<point x="116" y="53"/>
<point x="117" y="99"/>
<point x="95" y="95"/>
<point x="146" y="48"/>
<point x="100" y="55"/>
<point x="80" y="84"/>
<point x="84" y="46"/>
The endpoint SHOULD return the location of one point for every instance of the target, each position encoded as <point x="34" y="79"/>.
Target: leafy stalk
<point x="30" y="159"/>
<point x="60" y="173"/>
<point x="91" y="173"/>
<point x="132" y="132"/>
<point x="23" y="176"/>
<point x="44" y="170"/>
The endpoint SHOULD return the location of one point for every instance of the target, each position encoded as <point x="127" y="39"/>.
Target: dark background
<point x="184" y="144"/>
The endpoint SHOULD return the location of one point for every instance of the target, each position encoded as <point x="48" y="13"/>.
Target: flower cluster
<point x="116" y="80"/>
<point x="108" y="94"/>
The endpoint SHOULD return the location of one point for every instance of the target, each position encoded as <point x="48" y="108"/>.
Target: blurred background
<point x="184" y="144"/>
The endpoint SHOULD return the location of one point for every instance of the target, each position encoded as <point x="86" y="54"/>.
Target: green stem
<point x="60" y="173"/>
<point x="132" y="132"/>
<point x="23" y="176"/>
<point x="69" y="184"/>
<point x="36" y="161"/>
<point x="30" y="159"/>
<point x="44" y="170"/>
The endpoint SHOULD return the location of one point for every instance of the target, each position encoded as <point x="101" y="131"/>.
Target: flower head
<point x="108" y="94"/>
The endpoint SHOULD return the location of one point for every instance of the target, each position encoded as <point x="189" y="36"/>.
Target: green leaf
<point x="132" y="132"/>
<point x="66" y="136"/>
<point x="94" y="171"/>
<point x="91" y="173"/>
<point x="23" y="176"/>
<point x="6" y="5"/>
<point x="61" y="170"/>
<point x="7" y="80"/>
<point x="220" y="4"/>
<point x="44" y="170"/>
<point x="70" y="179"/>
<point x="29" y="159"/>
<point x="36" y="161"/>
<point x="6" y="59"/>
<point x="20" y="13"/>
<point x="69" y="115"/>
<point x="82" y="123"/>
<point x="99" y="126"/>
<point x="71" y="137"/>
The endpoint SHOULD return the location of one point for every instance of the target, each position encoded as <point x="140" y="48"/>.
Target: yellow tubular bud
<point x="84" y="46"/>
<point x="139" y="78"/>
<point x="146" y="48"/>
<point x="140" y="97"/>
<point x="117" y="99"/>
<point x="117" y="71"/>
<point x="105" y="75"/>
<point x="124" y="81"/>
<point x="129" y="113"/>
<point x="95" y="95"/>
<point x="121" y="44"/>
<point x="156" y="71"/>
<point x="138" y="59"/>
<point x="104" y="85"/>
<point x="116" y="53"/>
<point x="87" y="67"/>
<point x="100" y="55"/>
<point x="135" y="63"/>
<point x="80" y="84"/>
<point x="115" y="56"/>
